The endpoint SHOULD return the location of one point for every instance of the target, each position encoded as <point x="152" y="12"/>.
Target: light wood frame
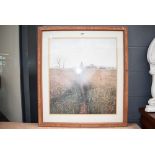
<point x="41" y="29"/>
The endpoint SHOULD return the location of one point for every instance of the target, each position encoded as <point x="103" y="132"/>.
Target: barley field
<point x="91" y="92"/>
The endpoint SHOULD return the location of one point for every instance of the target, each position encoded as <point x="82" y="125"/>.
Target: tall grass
<point x="100" y="93"/>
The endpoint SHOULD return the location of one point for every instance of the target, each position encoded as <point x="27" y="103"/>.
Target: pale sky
<point x="71" y="52"/>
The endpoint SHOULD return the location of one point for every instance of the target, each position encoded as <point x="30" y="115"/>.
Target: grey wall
<point x="10" y="94"/>
<point x="139" y="79"/>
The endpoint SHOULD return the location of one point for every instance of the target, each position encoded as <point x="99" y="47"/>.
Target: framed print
<point x="82" y="76"/>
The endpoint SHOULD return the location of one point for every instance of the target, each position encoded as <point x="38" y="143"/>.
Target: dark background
<point x="139" y="79"/>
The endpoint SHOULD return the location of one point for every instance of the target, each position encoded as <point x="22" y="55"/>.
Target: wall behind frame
<point x="139" y="79"/>
<point x="28" y="57"/>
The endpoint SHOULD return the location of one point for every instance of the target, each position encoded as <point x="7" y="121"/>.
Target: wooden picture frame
<point x="41" y="74"/>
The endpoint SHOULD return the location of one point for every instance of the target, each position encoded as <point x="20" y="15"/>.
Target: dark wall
<point x="139" y="79"/>
<point x="28" y="55"/>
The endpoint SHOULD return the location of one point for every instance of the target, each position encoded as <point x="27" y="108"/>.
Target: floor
<point x="18" y="125"/>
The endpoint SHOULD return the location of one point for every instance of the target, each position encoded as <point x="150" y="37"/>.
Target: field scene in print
<point x="83" y="76"/>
